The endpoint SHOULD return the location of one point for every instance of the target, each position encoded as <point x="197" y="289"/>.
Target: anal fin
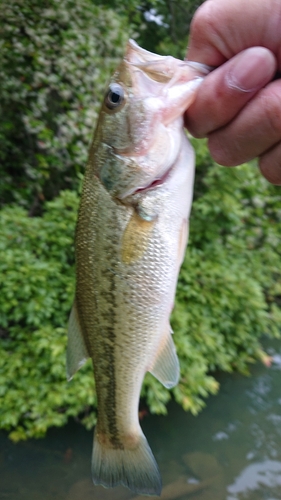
<point x="166" y="366"/>
<point x="76" y="354"/>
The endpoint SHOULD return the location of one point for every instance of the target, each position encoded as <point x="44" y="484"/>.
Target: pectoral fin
<point x="166" y="366"/>
<point x="136" y="239"/>
<point x="76" y="354"/>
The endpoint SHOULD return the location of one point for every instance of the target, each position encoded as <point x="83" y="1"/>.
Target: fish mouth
<point x="158" y="181"/>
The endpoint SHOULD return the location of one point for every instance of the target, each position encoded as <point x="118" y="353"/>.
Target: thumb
<point x="227" y="89"/>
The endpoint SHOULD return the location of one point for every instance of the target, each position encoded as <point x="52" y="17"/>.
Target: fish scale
<point x="130" y="241"/>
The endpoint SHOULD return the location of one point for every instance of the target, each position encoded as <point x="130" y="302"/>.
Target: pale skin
<point x="238" y="106"/>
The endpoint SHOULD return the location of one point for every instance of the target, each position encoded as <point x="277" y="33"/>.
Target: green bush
<point x="55" y="57"/>
<point x="37" y="283"/>
<point x="225" y="299"/>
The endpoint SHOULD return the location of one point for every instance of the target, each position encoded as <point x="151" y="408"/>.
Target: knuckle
<point x="203" y="21"/>
<point x="221" y="150"/>
<point x="270" y="165"/>
<point x="272" y="109"/>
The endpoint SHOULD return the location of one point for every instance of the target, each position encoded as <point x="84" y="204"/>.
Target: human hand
<point x="238" y="106"/>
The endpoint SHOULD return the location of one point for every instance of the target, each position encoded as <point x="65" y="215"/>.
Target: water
<point x="231" y="451"/>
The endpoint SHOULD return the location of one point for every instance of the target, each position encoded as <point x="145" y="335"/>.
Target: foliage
<point x="55" y="57"/>
<point x="231" y="279"/>
<point x="37" y="280"/>
<point x="167" y="26"/>
<point x="161" y="26"/>
<point x="225" y="299"/>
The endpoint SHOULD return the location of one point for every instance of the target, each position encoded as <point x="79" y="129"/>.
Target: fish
<point x="130" y="241"/>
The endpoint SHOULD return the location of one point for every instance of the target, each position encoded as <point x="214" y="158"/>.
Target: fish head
<point x="140" y="124"/>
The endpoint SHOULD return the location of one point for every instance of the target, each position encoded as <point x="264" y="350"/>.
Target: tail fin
<point x="136" y="469"/>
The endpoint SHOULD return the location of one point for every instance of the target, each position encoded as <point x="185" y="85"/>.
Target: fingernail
<point x="252" y="69"/>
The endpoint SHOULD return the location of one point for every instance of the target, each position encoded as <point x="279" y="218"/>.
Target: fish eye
<point x="115" y="96"/>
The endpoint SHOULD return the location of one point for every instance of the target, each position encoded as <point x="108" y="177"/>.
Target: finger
<point x="226" y="90"/>
<point x="270" y="165"/>
<point x="255" y="130"/>
<point x="220" y="29"/>
<point x="205" y="44"/>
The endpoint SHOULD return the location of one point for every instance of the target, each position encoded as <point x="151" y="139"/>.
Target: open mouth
<point x="155" y="183"/>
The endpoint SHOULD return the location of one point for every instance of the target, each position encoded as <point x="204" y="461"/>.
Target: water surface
<point x="231" y="451"/>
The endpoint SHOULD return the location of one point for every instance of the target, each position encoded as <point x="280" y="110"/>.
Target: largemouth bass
<point x="131" y="237"/>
